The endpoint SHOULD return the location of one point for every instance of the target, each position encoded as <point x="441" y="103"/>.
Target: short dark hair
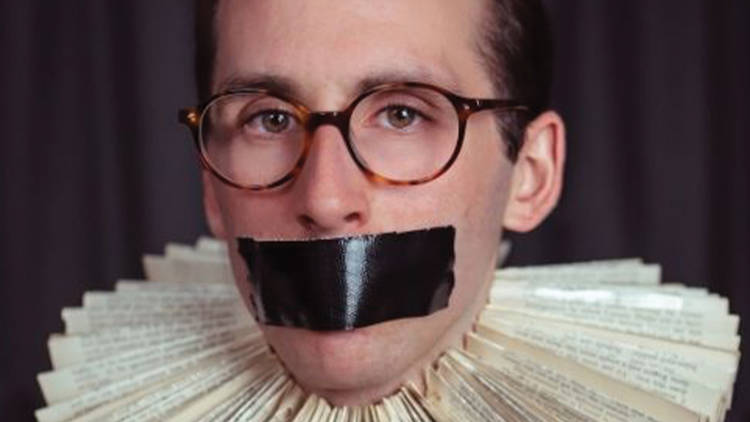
<point x="516" y="46"/>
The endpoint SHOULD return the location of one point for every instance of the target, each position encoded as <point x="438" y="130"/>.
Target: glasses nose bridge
<point x="338" y="119"/>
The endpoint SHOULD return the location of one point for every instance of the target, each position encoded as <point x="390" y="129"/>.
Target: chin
<point x="374" y="357"/>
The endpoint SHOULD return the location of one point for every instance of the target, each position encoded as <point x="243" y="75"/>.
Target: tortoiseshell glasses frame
<point x="194" y="117"/>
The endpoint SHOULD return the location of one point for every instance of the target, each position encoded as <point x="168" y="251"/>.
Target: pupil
<point x="275" y="122"/>
<point x="401" y="117"/>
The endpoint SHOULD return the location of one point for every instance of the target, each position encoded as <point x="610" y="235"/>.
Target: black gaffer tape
<point x="350" y="282"/>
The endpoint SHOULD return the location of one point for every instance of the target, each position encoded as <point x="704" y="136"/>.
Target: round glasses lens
<point x="405" y="134"/>
<point x="252" y="139"/>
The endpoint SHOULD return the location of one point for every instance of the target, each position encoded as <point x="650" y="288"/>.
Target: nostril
<point x="306" y="221"/>
<point x="311" y="224"/>
<point x="352" y="217"/>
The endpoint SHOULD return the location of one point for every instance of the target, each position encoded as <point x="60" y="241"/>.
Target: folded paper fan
<point x="594" y="341"/>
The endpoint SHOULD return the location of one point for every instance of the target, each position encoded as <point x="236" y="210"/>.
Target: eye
<point x="400" y="117"/>
<point x="274" y="121"/>
<point x="269" y="122"/>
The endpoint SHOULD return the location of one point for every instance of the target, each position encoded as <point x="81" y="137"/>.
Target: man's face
<point x="326" y="48"/>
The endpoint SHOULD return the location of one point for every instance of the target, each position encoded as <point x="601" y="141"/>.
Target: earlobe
<point x="211" y="207"/>
<point x="537" y="174"/>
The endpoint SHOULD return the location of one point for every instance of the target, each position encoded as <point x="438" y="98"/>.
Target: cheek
<point x="485" y="175"/>
<point x="479" y="181"/>
<point x="251" y="214"/>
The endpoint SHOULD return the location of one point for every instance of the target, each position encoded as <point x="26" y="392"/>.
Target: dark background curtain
<point x="95" y="171"/>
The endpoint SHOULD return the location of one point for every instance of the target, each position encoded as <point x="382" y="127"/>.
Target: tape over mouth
<point x="350" y="282"/>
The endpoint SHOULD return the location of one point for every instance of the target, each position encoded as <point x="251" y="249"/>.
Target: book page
<point x="65" y="383"/>
<point x="525" y="404"/>
<point x="712" y="367"/>
<point x="84" y="320"/>
<point x="603" y="308"/>
<point x="197" y="386"/>
<point x="614" y="272"/>
<point x="571" y="384"/>
<point x="67" y="350"/>
<point x="642" y="369"/>
<point x="80" y="405"/>
<point x="265" y="402"/>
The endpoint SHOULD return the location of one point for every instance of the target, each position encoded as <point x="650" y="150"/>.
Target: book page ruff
<point x="592" y="341"/>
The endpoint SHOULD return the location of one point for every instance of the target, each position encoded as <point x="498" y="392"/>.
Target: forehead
<point x="333" y="45"/>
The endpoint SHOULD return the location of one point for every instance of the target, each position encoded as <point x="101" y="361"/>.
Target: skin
<point x="325" y="48"/>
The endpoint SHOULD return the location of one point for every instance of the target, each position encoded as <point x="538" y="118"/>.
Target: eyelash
<point x="385" y="108"/>
<point x="391" y="106"/>
<point x="261" y="113"/>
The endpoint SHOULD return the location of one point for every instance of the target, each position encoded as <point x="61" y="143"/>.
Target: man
<point x="322" y="55"/>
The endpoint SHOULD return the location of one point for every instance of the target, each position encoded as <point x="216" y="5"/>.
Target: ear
<point x="537" y="177"/>
<point x="211" y="207"/>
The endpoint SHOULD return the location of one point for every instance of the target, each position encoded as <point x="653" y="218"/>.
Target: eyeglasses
<point x="398" y="134"/>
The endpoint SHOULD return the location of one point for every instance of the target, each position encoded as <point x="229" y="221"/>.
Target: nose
<point x="331" y="195"/>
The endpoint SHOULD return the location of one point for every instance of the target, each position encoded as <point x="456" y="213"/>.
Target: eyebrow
<point x="275" y="83"/>
<point x="424" y="75"/>
<point x="288" y="88"/>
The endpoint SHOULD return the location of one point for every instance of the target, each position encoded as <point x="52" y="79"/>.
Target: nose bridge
<point x="328" y="198"/>
<point x="337" y="119"/>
